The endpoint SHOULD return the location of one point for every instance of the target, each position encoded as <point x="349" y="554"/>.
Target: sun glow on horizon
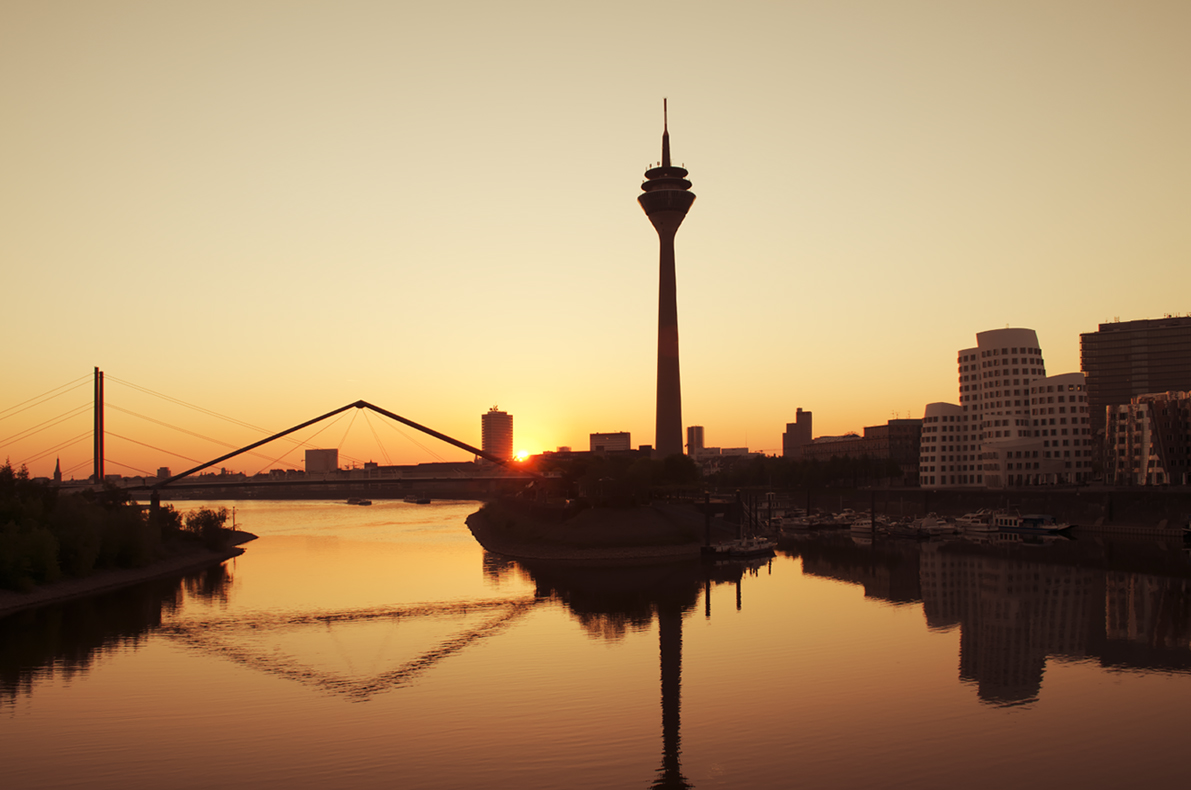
<point x="521" y="455"/>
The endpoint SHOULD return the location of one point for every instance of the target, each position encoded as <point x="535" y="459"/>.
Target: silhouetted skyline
<point x="271" y="211"/>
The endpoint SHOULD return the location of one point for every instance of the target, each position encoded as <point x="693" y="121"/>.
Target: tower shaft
<point x="668" y="425"/>
<point x="666" y="199"/>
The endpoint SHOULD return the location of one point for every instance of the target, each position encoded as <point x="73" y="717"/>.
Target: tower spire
<point x="665" y="135"/>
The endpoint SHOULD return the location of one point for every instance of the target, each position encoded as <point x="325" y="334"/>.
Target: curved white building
<point x="994" y="438"/>
<point x="1006" y="362"/>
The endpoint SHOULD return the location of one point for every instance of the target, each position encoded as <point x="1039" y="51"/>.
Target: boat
<point x="416" y="499"/>
<point x="976" y="521"/>
<point x="862" y="526"/>
<point x="357" y="501"/>
<point x="1031" y="524"/>
<point x="931" y="524"/>
<point x="799" y="523"/>
<point x="740" y="548"/>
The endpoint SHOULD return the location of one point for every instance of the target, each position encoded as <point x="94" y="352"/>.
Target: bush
<point x="208" y="525"/>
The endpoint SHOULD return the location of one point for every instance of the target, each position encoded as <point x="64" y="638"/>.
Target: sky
<point x="272" y="209"/>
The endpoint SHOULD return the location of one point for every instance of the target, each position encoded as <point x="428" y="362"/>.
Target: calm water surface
<point x="381" y="647"/>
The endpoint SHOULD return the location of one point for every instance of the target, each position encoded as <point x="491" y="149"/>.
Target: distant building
<point x="694" y="440"/>
<point x="163" y="473"/>
<point x="824" y="448"/>
<point x="1148" y="440"/>
<point x="797" y="435"/>
<point x="611" y="442"/>
<point x="320" y="461"/>
<point x="1128" y="358"/>
<point x="496" y="428"/>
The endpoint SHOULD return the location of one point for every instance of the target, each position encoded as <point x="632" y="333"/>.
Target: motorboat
<point x="740" y="548"/>
<point x="931" y="524"/>
<point x="1031" y="524"/>
<point x="976" y="521"/>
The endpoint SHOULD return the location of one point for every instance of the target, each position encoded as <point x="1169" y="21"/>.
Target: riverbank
<point x="628" y="536"/>
<point x="105" y="581"/>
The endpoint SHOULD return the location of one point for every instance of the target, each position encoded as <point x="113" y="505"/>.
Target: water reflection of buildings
<point x="1127" y="607"/>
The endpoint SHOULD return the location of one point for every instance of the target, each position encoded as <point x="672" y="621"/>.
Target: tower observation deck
<point x="666" y="198"/>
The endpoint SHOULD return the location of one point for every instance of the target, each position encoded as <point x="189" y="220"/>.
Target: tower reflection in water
<point x="607" y="600"/>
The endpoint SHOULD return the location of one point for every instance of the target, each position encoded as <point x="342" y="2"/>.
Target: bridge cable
<point x="375" y="435"/>
<point x="241" y="423"/>
<point x="80" y="465"/>
<point x="126" y="466"/>
<point x="41" y="426"/>
<point x="297" y="442"/>
<point x="61" y="446"/>
<point x="287" y="452"/>
<point x="414" y="441"/>
<point x="77" y="382"/>
<point x="151" y="447"/>
<point x="346" y="431"/>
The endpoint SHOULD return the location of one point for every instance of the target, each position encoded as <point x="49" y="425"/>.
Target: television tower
<point x="666" y="200"/>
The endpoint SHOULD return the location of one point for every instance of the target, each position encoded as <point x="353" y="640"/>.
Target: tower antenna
<point x="665" y="135"/>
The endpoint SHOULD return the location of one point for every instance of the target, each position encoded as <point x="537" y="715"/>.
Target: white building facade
<point x="994" y="437"/>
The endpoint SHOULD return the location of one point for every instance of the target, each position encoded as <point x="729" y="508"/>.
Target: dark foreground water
<point x="381" y="647"/>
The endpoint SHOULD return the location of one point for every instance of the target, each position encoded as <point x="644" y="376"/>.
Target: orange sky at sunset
<point x="272" y="209"/>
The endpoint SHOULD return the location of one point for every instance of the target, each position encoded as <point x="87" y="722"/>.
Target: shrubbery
<point x="45" y="535"/>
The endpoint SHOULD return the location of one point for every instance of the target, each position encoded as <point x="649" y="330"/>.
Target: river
<point x="382" y="647"/>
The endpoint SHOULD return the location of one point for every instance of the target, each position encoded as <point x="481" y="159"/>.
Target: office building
<point x="694" y="440"/>
<point x="797" y="435"/>
<point x="1128" y="358"/>
<point x="322" y="461"/>
<point x="496" y="430"/>
<point x="666" y="199"/>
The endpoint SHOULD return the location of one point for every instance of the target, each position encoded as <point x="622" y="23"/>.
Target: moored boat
<point x="1030" y="524"/>
<point x="740" y="548"/>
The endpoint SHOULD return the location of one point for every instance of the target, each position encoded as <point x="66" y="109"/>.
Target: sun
<point x="521" y="455"/>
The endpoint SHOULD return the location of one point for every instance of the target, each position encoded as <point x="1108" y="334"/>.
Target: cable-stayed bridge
<point x="53" y="436"/>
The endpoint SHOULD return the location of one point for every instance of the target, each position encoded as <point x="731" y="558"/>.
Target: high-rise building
<point x="666" y="199"/>
<point x="798" y="435"/>
<point x="496" y="430"/>
<point x="1128" y="358"/>
<point x="995" y="438"/>
<point x="694" y="440"/>
<point x="321" y="461"/>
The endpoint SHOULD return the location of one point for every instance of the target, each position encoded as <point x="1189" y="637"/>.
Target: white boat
<point x="739" y="548"/>
<point x="863" y="526"/>
<point x="797" y="523"/>
<point x="976" y="522"/>
<point x="931" y="524"/>
<point x="1031" y="524"/>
